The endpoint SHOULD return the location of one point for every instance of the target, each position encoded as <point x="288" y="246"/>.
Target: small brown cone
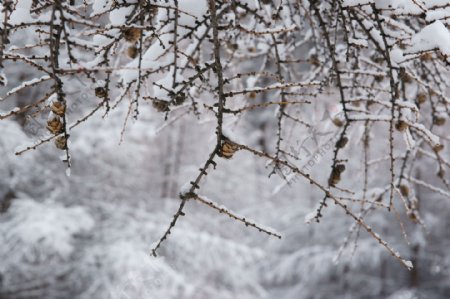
<point x="228" y="149"/>
<point x="100" y="92"/>
<point x="54" y="125"/>
<point x="132" y="52"/>
<point x="438" y="147"/>
<point x="337" y="121"/>
<point x="59" y="108"/>
<point x="132" y="34"/>
<point x="342" y="142"/>
<point x="426" y="57"/>
<point x="421" y="98"/>
<point x="404" y="190"/>
<point x="335" y="176"/>
<point x="61" y="142"/>
<point x="439" y="121"/>
<point x="161" y="106"/>
<point x="401" y="126"/>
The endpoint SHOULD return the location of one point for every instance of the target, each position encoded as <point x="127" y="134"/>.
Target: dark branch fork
<point x="221" y="103"/>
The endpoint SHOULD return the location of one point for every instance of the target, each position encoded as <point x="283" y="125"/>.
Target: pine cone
<point x="61" y="142"/>
<point x="59" y="108"/>
<point x="161" y="106"/>
<point x="228" y="149"/>
<point x="132" y="52"/>
<point x="132" y="35"/>
<point x="100" y="92"/>
<point x="54" y="125"/>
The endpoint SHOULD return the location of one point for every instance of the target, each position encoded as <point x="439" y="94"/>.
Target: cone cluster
<point x="55" y="123"/>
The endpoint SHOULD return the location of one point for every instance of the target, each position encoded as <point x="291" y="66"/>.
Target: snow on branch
<point x="343" y="88"/>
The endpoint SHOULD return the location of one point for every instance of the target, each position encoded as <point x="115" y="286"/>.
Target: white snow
<point x="397" y="56"/>
<point x="47" y="225"/>
<point x="186" y="188"/>
<point x="433" y="36"/>
<point x="310" y="217"/>
<point x="22" y="12"/>
<point x="191" y="10"/>
<point x="119" y="16"/>
<point x="356" y="2"/>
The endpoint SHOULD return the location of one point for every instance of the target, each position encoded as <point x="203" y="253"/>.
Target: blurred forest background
<point x="89" y="231"/>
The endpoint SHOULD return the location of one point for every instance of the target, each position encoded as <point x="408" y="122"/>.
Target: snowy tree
<point x="343" y="103"/>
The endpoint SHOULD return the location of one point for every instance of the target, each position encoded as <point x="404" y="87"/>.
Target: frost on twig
<point x="352" y="87"/>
